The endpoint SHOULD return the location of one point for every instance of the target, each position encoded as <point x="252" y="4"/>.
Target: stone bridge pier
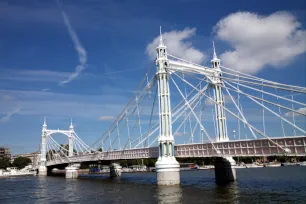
<point x="224" y="171"/>
<point x="115" y="170"/>
<point x="72" y="171"/>
<point x="42" y="171"/>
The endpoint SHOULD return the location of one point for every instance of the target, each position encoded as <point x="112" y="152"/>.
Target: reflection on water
<point x="41" y="191"/>
<point x="263" y="185"/>
<point x="71" y="188"/>
<point x="169" y="194"/>
<point x="227" y="193"/>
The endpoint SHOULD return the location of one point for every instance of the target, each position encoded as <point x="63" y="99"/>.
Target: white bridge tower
<point x="43" y="147"/>
<point x="45" y="137"/>
<point x="224" y="172"/>
<point x="167" y="167"/>
<point x="219" y="98"/>
<point x="70" y="139"/>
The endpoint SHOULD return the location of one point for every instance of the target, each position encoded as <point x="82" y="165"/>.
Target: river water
<point x="260" y="185"/>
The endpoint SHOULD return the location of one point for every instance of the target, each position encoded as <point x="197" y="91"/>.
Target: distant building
<point x="5" y="152"/>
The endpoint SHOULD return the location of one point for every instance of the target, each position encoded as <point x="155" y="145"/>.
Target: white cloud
<point x="51" y="104"/>
<point x="77" y="45"/>
<point x="259" y="41"/>
<point x="179" y="134"/>
<point x="177" y="44"/>
<point x="107" y="117"/>
<point x="300" y="110"/>
<point x="32" y="75"/>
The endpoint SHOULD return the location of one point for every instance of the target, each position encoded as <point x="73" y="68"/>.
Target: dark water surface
<point x="260" y="185"/>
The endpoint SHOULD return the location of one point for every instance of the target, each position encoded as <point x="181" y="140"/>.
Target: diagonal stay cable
<point x="130" y="100"/>
<point x="246" y="123"/>
<point x="218" y="152"/>
<point x="276" y="114"/>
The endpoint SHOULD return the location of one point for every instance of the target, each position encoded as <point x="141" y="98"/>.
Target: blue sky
<point x="88" y="66"/>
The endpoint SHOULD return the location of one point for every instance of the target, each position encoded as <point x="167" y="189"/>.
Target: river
<point x="260" y="185"/>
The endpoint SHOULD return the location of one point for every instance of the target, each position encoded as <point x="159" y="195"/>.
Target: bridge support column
<point x="72" y="172"/>
<point x="70" y="140"/>
<point x="168" y="171"/>
<point x="224" y="171"/>
<point x="167" y="168"/>
<point x="115" y="170"/>
<point x="42" y="171"/>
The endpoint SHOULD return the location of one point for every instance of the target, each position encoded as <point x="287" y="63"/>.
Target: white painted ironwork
<point x="265" y="95"/>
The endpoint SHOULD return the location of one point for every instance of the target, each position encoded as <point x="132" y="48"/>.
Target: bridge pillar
<point x="115" y="170"/>
<point x="219" y="100"/>
<point x="42" y="169"/>
<point x="167" y="168"/>
<point x="224" y="172"/>
<point x="70" y="140"/>
<point x="72" y="171"/>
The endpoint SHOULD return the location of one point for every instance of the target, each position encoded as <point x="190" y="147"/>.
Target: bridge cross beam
<point x="167" y="167"/>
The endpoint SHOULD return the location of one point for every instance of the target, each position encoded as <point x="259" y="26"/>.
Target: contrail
<point x="77" y="45"/>
<point x="9" y="115"/>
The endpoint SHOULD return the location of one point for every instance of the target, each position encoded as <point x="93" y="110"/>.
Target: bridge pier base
<point x="115" y="170"/>
<point x="71" y="172"/>
<point x="224" y="172"/>
<point x="42" y="171"/>
<point x="168" y="171"/>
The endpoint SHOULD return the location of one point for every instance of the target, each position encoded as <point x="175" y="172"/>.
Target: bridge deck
<point x="242" y="148"/>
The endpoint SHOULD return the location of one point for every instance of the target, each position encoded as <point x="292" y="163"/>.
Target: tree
<point x="21" y="162"/>
<point x="4" y="162"/>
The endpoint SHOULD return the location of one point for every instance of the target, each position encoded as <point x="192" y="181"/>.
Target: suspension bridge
<point x="214" y="111"/>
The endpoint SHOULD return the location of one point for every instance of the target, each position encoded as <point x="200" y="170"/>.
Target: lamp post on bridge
<point x="167" y="167"/>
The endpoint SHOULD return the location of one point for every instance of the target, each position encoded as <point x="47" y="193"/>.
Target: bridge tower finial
<point x="45" y="123"/>
<point x="161" y="49"/>
<point x="160" y="36"/>
<point x="215" y="61"/>
<point x="214" y="50"/>
<point x="71" y="125"/>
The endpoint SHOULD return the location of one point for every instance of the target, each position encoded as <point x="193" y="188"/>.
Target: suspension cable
<point x="130" y="100"/>
<point x="258" y="131"/>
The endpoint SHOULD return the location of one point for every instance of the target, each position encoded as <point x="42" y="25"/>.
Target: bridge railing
<point x="258" y="147"/>
<point x="241" y="148"/>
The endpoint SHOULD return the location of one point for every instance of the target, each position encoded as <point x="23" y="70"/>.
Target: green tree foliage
<point x="21" y="162"/>
<point x="4" y="162"/>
